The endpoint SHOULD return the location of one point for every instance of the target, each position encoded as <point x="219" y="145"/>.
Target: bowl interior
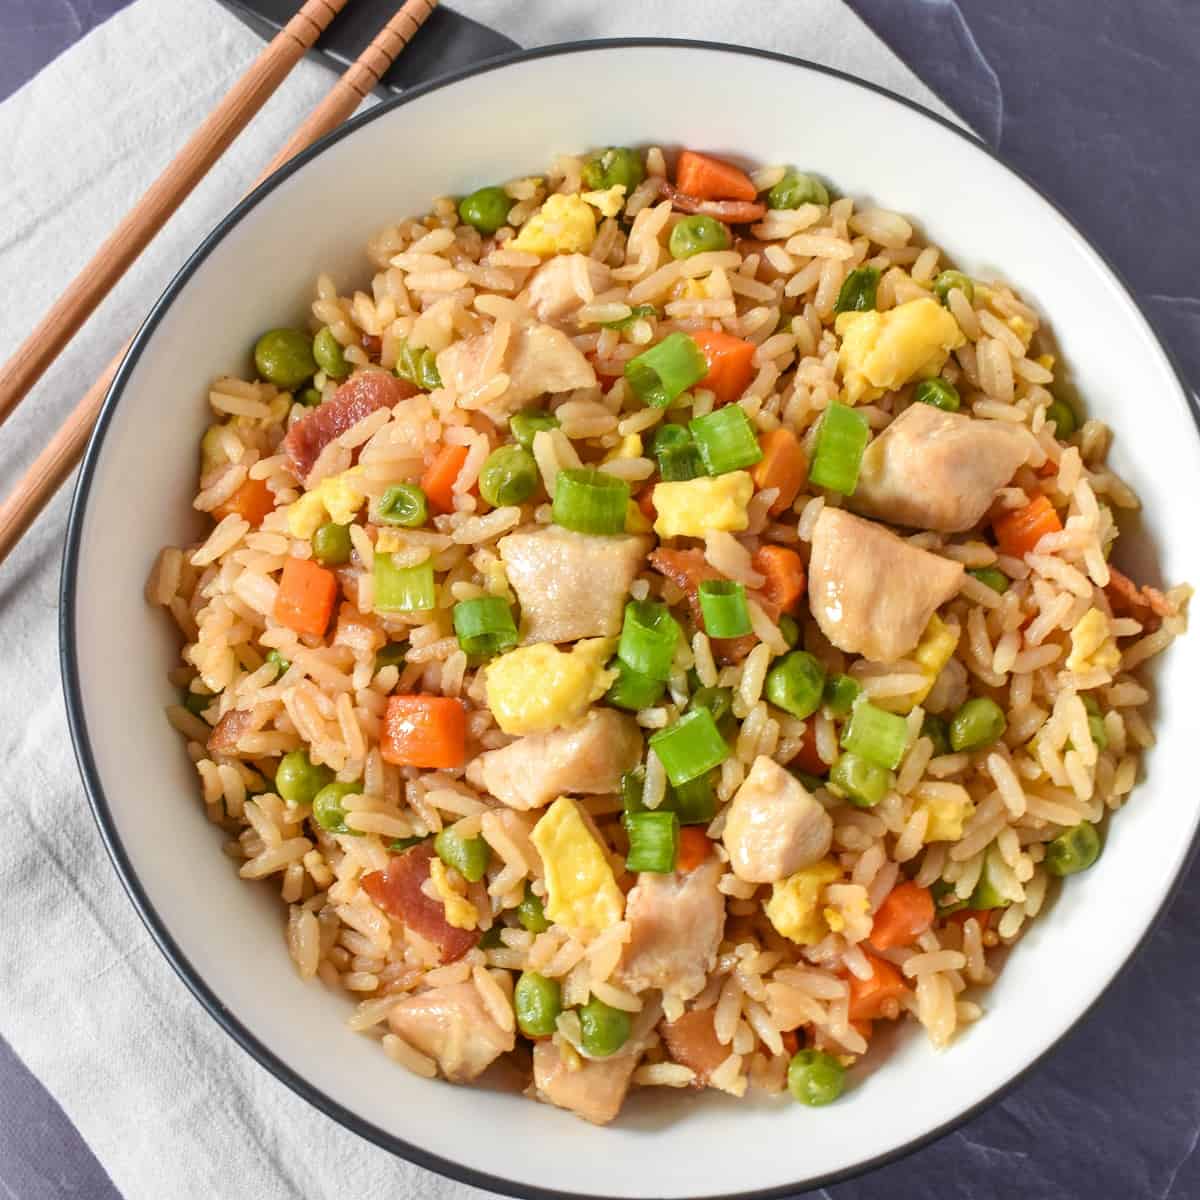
<point x="258" y="271"/>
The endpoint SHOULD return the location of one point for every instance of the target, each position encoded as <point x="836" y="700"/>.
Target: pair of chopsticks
<point x="147" y="217"/>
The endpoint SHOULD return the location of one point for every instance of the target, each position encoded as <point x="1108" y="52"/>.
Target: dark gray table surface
<point x="1099" y="102"/>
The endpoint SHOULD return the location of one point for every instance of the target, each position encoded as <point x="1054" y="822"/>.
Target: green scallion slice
<point x="485" y="626"/>
<point x="403" y="589"/>
<point x="858" y="291"/>
<point x="837" y="457"/>
<point x="637" y="313"/>
<point x="724" y="608"/>
<point x="633" y="786"/>
<point x="690" y="747"/>
<point x="653" y="841"/>
<point x="695" y="802"/>
<point x="876" y="735"/>
<point x="664" y="372"/>
<point x="862" y="783"/>
<point x="524" y="426"/>
<point x="632" y="690"/>
<point x="589" y="501"/>
<point x="649" y="636"/>
<point x="726" y="440"/>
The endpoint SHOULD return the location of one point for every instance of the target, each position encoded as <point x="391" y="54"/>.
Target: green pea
<point x="797" y="188"/>
<point x="815" y="1078"/>
<point x="298" y="780"/>
<point x="400" y="845"/>
<point x="948" y="281"/>
<point x="537" y="1001"/>
<point x="327" y="350"/>
<point x="616" y="165"/>
<point x="509" y="476"/>
<point x="695" y="235"/>
<point x="1073" y="851"/>
<point x="993" y="577"/>
<point x="938" y="732"/>
<point x="391" y="655"/>
<point x="532" y="913"/>
<point x="524" y="426"/>
<point x="486" y="209"/>
<point x="979" y="723"/>
<point x="468" y="856"/>
<point x="789" y="628"/>
<point x="941" y="393"/>
<point x="310" y="397"/>
<point x="281" y="664"/>
<point x="796" y="684"/>
<point x="196" y="702"/>
<point x="327" y="806"/>
<point x="491" y="939"/>
<point x="862" y="783"/>
<point x="858" y="291"/>
<point x="1063" y="416"/>
<point x="718" y="701"/>
<point x="403" y="504"/>
<point x="605" y="1029"/>
<point x="284" y="357"/>
<point x="331" y="544"/>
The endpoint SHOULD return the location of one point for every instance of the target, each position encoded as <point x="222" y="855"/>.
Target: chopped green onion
<point x="468" y="856"/>
<point x="524" y="426"/>
<point x="391" y="655"/>
<point x="649" y="637"/>
<point x="632" y="690"/>
<point x="484" y="626"/>
<point x="796" y="684"/>
<point x="987" y="893"/>
<point x="724" y="608"/>
<point x="726" y="440"/>
<point x="403" y="504"/>
<point x="841" y="691"/>
<point x="418" y="364"/>
<point x="532" y="913"/>
<point x="994" y="578"/>
<point x="876" y="735"/>
<point x="858" y="291"/>
<point x="664" y="372"/>
<point x="677" y="455"/>
<point x="1095" y="720"/>
<point x="789" y="629"/>
<point x="637" y="313"/>
<point x="491" y="939"/>
<point x="862" y="783"/>
<point x="718" y="701"/>
<point x="589" y="501"/>
<point x="837" y="457"/>
<point x="403" y="589"/>
<point x="695" y="802"/>
<point x="1064" y="418"/>
<point x="653" y="841"/>
<point x="509" y="475"/>
<point x="938" y="732"/>
<point x="399" y="845"/>
<point x="633" y="786"/>
<point x="947" y="281"/>
<point x="281" y="664"/>
<point x="940" y="393"/>
<point x="945" y="897"/>
<point x="690" y="747"/>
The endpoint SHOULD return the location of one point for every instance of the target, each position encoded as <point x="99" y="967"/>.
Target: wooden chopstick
<point x="138" y="227"/>
<point x="64" y="450"/>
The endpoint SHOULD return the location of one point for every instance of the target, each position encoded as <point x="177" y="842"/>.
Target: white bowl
<point x="257" y="269"/>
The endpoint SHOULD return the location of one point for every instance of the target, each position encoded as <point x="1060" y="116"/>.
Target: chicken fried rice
<point x="657" y="631"/>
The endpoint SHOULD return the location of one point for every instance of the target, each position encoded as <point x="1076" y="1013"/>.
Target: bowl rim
<point x="69" y="661"/>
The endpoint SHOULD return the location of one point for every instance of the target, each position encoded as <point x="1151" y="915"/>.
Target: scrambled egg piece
<point x="1092" y="644"/>
<point x="563" y="225"/>
<point x="337" y="499"/>
<point x="609" y="201"/>
<point x="580" y="888"/>
<point x="636" y="520"/>
<point x="946" y="818"/>
<point x="538" y="688"/>
<point x="883" y="351"/>
<point x="460" y="912"/>
<point x="1022" y="328"/>
<point x="793" y="906"/>
<point x="933" y="652"/>
<point x="627" y="447"/>
<point x="695" y="507"/>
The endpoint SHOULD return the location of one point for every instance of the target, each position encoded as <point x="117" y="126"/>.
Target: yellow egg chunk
<point x="696" y="507"/>
<point x="794" y="905"/>
<point x="947" y="816"/>
<point x="933" y="652"/>
<point x="336" y="499"/>
<point x="1092" y="645"/>
<point x="306" y="515"/>
<point x="537" y="688"/>
<point x="882" y="351"/>
<point x="563" y="225"/>
<point x="581" y="891"/>
<point x="460" y="912"/>
<point x="608" y="201"/>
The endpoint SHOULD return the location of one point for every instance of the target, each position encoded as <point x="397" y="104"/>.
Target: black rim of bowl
<point x="81" y="738"/>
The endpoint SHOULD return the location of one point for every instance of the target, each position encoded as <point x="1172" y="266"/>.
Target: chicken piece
<point x="552" y="293"/>
<point x="931" y="469"/>
<point x="586" y="760"/>
<point x="571" y="585"/>
<point x="774" y="828"/>
<point x="452" y="1025"/>
<point x="871" y="592"/>
<point x="596" y="1089"/>
<point x="227" y="731"/>
<point x="537" y="359"/>
<point x="677" y="921"/>
<point x="692" y="1042"/>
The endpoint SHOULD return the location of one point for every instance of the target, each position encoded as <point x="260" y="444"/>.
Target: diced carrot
<point x="1019" y="531"/>
<point x="864" y="1029"/>
<point x="784" y="573"/>
<point x="424" y="731"/>
<point x="791" y="1042"/>
<point x="1048" y="468"/>
<point x="870" y="997"/>
<point x="783" y="466"/>
<point x="982" y="915"/>
<point x="711" y="179"/>
<point x="438" y="481"/>
<point x="645" y="502"/>
<point x="905" y="914"/>
<point x="807" y="758"/>
<point x="730" y="363"/>
<point x="305" y="598"/>
<point x="253" y="501"/>
<point x="694" y="848"/>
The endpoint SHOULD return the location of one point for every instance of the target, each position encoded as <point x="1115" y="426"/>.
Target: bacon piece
<point x="229" y="729"/>
<point x="1145" y="604"/>
<point x="357" y="398"/>
<point x="692" y="1042"/>
<point x="732" y="212"/>
<point x="397" y="890"/>
<point x="689" y="569"/>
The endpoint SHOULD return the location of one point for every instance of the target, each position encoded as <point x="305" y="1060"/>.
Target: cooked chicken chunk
<point x="937" y="470"/>
<point x="677" y="921"/>
<point x="596" y="1089"/>
<point x="553" y="293"/>
<point x="774" y="828"/>
<point x="586" y="760"/>
<point x="571" y="585"/>
<point x="451" y="1025"/>
<point x="870" y="591"/>
<point x="537" y="360"/>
